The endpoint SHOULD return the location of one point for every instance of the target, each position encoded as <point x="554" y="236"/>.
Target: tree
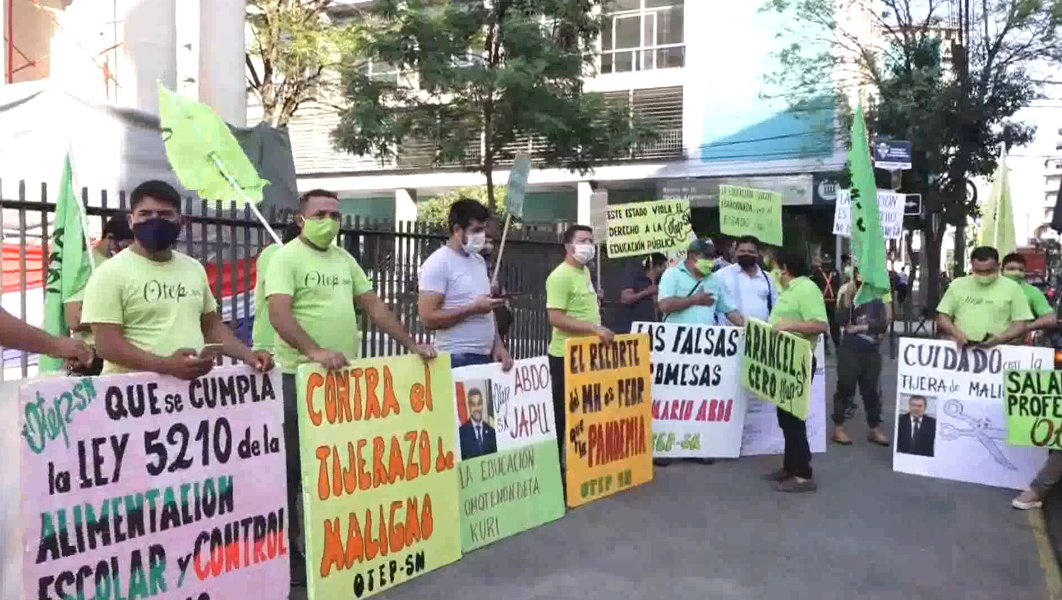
<point x="294" y="50"/>
<point x="437" y="210"/>
<point x="492" y="78"/>
<point x="957" y="112"/>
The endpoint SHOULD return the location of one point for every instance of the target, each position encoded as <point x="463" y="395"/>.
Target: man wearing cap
<point x="689" y="294"/>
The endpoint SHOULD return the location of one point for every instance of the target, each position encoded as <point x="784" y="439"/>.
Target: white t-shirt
<point x="748" y="295"/>
<point x="460" y="278"/>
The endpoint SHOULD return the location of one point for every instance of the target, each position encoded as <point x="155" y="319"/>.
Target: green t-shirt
<point x="262" y="334"/>
<point x="800" y="302"/>
<point x="1038" y="303"/>
<point x="79" y="296"/>
<point x="159" y="305"/>
<point x="983" y="310"/>
<point x="323" y="285"/>
<point x="570" y="290"/>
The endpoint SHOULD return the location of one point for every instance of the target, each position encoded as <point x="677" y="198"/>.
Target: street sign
<point x="912" y="206"/>
<point x="892" y="155"/>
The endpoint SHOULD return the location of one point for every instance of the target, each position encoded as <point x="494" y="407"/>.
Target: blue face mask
<point x="156" y="235"/>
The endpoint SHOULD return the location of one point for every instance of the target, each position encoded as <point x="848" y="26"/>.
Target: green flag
<point x="868" y="244"/>
<point x="997" y="213"/>
<point x="203" y="152"/>
<point x="68" y="263"/>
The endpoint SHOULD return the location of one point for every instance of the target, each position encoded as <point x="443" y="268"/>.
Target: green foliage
<point x="437" y="210"/>
<point x="293" y="50"/>
<point x="479" y="81"/>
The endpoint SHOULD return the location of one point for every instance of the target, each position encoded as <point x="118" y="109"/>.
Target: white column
<point x="405" y="205"/>
<point x="148" y="52"/>
<point x="222" y="79"/>
<point x="188" y="16"/>
<point x="584" y="192"/>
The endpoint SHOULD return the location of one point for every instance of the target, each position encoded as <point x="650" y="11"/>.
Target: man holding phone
<point x="983" y="309"/>
<point x="455" y="296"/>
<point x="150" y="307"/>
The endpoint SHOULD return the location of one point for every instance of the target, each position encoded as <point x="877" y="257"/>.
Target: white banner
<point x="890" y="213"/>
<point x="951" y="422"/>
<point x="763" y="436"/>
<point x="698" y="403"/>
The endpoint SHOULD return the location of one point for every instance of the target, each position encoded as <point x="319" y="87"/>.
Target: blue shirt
<point x="678" y="282"/>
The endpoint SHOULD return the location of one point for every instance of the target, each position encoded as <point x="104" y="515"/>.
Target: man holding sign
<point x="983" y="308"/>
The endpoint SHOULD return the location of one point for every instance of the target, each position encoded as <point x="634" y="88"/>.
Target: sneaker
<point x="703" y="461"/>
<point x="662" y="462"/>
<point x="777" y="476"/>
<point x="840" y="437"/>
<point x="796" y="485"/>
<point x="1027" y="500"/>
<point x="876" y="437"/>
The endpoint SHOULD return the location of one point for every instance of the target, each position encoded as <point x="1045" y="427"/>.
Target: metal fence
<point x="229" y="240"/>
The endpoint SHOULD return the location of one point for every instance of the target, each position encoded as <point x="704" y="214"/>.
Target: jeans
<point x="858" y="366"/>
<point x="294" y="465"/>
<point x="560" y="410"/>
<point x="1049" y="475"/>
<point x="797" y="460"/>
<point x="467" y="359"/>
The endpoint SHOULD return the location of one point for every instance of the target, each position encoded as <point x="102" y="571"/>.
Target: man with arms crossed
<point x="455" y="299"/>
<point x="311" y="287"/>
<point x="983" y="309"/>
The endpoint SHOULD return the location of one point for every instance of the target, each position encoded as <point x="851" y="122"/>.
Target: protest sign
<point x="378" y="474"/>
<point x="777" y="367"/>
<point x="508" y="460"/>
<point x="745" y="211"/>
<point x="139" y="485"/>
<point x="1034" y="408"/>
<point x="698" y="405"/>
<point x="890" y="213"/>
<point x="951" y="413"/>
<point x="609" y="421"/>
<point x="647" y="227"/>
<point x="10" y="521"/>
<point x="762" y="435"/>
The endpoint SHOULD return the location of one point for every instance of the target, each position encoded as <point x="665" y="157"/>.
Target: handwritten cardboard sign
<point x="745" y="211"/>
<point x="1033" y="402"/>
<point x="777" y="367"/>
<point x="647" y="227"/>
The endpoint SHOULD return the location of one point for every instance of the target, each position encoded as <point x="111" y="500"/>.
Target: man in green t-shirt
<point x="150" y="307"/>
<point x="1042" y="311"/>
<point x="262" y="334"/>
<point x="983" y="308"/>
<point x="571" y="302"/>
<point x="117" y="236"/>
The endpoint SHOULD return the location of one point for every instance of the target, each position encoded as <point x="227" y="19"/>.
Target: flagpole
<point x="246" y="199"/>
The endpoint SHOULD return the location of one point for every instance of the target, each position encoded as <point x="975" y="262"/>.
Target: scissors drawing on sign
<point x="981" y="429"/>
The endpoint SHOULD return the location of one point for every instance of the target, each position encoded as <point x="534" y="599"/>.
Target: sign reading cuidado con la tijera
<point x="609" y="420"/>
<point x="142" y="486"/>
<point x="381" y="494"/>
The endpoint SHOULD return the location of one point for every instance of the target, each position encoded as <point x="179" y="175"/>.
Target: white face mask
<point x="475" y="243"/>
<point x="583" y="253"/>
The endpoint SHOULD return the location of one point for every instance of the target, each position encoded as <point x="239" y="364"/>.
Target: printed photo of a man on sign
<point x="476" y="412"/>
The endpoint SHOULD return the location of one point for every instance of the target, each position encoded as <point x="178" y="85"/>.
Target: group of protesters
<point x="147" y="307"/>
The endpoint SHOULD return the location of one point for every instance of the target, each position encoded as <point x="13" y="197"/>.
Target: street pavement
<point x="719" y="532"/>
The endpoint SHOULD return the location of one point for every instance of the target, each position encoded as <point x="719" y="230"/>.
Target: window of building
<point x="642" y="35"/>
<point x="379" y="70"/>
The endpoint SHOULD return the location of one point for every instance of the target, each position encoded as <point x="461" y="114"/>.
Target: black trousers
<point x="797" y="460"/>
<point x="560" y="410"/>
<point x="294" y="465"/>
<point x="858" y="366"/>
<point x="835" y="327"/>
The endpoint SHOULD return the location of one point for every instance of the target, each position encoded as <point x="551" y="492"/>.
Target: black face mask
<point x="156" y="235"/>
<point x="745" y="261"/>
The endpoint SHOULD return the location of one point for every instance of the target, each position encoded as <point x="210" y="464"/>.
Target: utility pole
<point x="961" y="63"/>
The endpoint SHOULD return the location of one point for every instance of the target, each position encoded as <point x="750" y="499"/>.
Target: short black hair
<point x="918" y="397"/>
<point x="569" y="233"/>
<point x="1014" y="257"/>
<point x="984" y="253"/>
<point x="466" y="210"/>
<point x="159" y="190"/>
<point x="655" y="260"/>
<point x="475" y="392"/>
<point x="747" y="239"/>
<point x="793" y="261"/>
<point x="303" y="199"/>
<point x="118" y="227"/>
<point x="291" y="231"/>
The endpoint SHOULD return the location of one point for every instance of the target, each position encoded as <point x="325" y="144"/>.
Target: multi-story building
<point x="692" y="69"/>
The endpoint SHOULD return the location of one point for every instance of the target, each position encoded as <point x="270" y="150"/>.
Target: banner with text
<point x="890" y="214"/>
<point x="1034" y="408"/>
<point x="776" y="367"/>
<point x="745" y="211"/>
<point x="951" y="413"/>
<point x="698" y="404"/>
<point x="762" y="435"/>
<point x="610" y="416"/>
<point x="508" y="460"/>
<point x="647" y="227"/>
<point x="378" y="458"/>
<point x="140" y="485"/>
